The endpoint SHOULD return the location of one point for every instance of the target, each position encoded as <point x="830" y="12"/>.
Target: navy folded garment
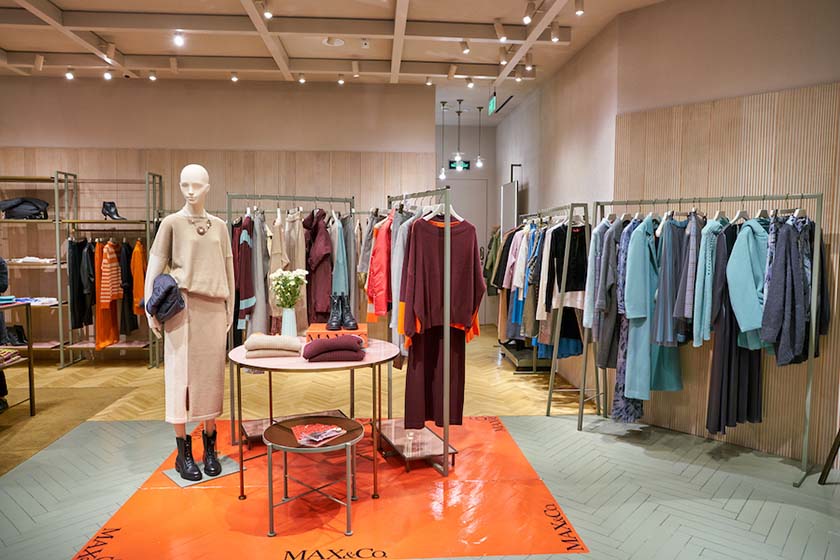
<point x="166" y="300"/>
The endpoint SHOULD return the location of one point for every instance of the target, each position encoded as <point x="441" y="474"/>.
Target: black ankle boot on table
<point x="334" y="322"/>
<point x="184" y="462"/>
<point x="347" y="320"/>
<point x="211" y="461"/>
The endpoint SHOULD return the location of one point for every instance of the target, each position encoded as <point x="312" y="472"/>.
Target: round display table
<point x="378" y="353"/>
<point x="281" y="437"/>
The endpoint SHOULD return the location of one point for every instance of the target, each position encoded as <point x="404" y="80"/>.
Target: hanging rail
<point x="351" y="201"/>
<point x="446" y="194"/>
<point x="599" y="206"/>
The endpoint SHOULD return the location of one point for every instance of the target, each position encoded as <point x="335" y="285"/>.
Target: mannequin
<point x="195" y="247"/>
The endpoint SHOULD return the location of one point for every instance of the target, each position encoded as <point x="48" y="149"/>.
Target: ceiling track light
<point x="470" y="83"/>
<point x="530" y="11"/>
<point x="265" y="8"/>
<point x="178" y="39"/>
<point x="355" y="66"/>
<point x="518" y="74"/>
<point x="39" y="62"/>
<point x="529" y="61"/>
<point x="500" y="30"/>
<point x="152" y="75"/>
<point x="107" y="75"/>
<point x="341" y="79"/>
<point x="578" y="8"/>
<point x="503" y="56"/>
<point x="465" y="47"/>
<point x="234" y="77"/>
<point x="301" y="79"/>
<point x="555" y="32"/>
<point x="69" y="73"/>
<point x="428" y="81"/>
<point x="452" y="69"/>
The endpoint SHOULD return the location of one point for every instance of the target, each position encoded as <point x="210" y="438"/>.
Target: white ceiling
<point x="224" y="36"/>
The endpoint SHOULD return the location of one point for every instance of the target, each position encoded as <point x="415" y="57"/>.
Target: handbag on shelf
<point x="24" y="208"/>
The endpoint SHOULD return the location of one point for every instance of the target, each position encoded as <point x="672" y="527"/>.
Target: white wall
<point x="684" y="51"/>
<point x="41" y="112"/>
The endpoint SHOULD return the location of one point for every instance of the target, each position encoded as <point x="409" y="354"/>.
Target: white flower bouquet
<point x="285" y="285"/>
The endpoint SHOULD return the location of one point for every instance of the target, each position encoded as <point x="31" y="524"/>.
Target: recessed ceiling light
<point x="234" y="77"/>
<point x="555" y="32"/>
<point x="341" y="79"/>
<point x="470" y="83"/>
<point x="465" y="47"/>
<point x="530" y="10"/>
<point x="152" y="75"/>
<point x="578" y="8"/>
<point x="69" y="74"/>
<point x="502" y="56"/>
<point x="428" y="81"/>
<point x="107" y="75"/>
<point x="500" y="31"/>
<point x="178" y="39"/>
<point x="333" y="42"/>
<point x="301" y="78"/>
<point x="529" y="62"/>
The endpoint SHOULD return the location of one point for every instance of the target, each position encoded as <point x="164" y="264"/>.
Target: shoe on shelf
<point x="347" y="320"/>
<point x="334" y="322"/>
<point x="109" y="210"/>
<point x="184" y="462"/>
<point x="12" y="336"/>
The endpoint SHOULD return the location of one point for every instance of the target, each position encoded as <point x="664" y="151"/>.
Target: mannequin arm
<point x="155" y="268"/>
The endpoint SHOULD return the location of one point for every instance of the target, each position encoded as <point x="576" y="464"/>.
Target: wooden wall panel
<point x="773" y="143"/>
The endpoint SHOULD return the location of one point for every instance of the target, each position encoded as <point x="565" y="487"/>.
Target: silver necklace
<point x="201" y="224"/>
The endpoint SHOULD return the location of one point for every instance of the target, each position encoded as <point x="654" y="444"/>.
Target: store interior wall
<point x="667" y="54"/>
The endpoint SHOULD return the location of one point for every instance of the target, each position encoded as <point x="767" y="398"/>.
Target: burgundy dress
<point x="319" y="266"/>
<point x="421" y="294"/>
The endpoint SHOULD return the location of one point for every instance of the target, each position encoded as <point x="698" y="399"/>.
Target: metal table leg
<point x="285" y="476"/>
<point x="271" y="532"/>
<point x="374" y="428"/>
<point x="238" y="428"/>
<point x="349" y="501"/>
<point x="270" y="400"/>
<point x="353" y="394"/>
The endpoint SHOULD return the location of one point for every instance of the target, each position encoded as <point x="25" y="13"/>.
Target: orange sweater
<point x="138" y="273"/>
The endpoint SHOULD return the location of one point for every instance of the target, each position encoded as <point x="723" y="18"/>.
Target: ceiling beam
<point x="4" y="63"/>
<point x="25" y="61"/>
<point x="108" y="22"/>
<point x="536" y="30"/>
<point x="272" y="43"/>
<point x="54" y="17"/>
<point x="400" y="19"/>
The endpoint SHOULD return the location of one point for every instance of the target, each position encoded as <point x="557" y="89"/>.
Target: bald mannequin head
<point x="195" y="184"/>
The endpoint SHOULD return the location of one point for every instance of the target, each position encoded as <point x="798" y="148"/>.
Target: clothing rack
<point x="569" y="209"/>
<point x="599" y="208"/>
<point x="231" y="197"/>
<point x="427" y="435"/>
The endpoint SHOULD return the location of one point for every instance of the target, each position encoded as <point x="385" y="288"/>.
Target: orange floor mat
<point x="493" y="504"/>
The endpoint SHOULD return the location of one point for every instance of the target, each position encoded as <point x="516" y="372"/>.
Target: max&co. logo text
<point x="562" y="528"/>
<point x="97" y="548"/>
<point x="335" y="554"/>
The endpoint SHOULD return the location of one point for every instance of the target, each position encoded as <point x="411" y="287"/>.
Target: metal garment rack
<point x="231" y="197"/>
<point x="62" y="182"/>
<point x="153" y="183"/>
<point x="555" y="335"/>
<point x="599" y="207"/>
<point x="445" y="194"/>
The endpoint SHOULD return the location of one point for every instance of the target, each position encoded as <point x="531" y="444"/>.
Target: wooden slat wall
<point x="369" y="176"/>
<point x="772" y="143"/>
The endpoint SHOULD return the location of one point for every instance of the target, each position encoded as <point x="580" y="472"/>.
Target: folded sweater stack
<point x="260" y="345"/>
<point x="344" y="348"/>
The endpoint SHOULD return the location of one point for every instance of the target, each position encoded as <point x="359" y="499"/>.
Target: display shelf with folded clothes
<point x="260" y="345"/>
<point x="345" y="348"/>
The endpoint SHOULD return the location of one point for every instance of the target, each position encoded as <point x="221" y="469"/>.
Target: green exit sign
<point x="465" y="165"/>
<point x="491" y="105"/>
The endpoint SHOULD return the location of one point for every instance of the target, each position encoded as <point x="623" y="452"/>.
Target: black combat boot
<point x="211" y="462"/>
<point x="347" y="319"/>
<point x="184" y="462"/>
<point x="334" y="322"/>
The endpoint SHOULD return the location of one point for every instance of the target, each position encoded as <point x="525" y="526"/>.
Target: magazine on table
<point x="316" y="435"/>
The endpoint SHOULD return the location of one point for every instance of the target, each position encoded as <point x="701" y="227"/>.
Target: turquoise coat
<point x="649" y="366"/>
<point x="745" y="278"/>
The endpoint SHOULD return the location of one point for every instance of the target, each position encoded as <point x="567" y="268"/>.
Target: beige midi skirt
<point x="194" y="360"/>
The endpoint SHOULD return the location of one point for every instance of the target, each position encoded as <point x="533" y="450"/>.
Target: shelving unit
<point x="29" y="358"/>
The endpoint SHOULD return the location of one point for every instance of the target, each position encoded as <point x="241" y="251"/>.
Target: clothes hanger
<point x="611" y="217"/>
<point x="742" y="214"/>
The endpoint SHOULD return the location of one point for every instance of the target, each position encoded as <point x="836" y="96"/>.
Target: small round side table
<point x="280" y="437"/>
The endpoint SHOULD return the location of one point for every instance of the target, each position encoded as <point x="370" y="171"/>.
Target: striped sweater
<point x="111" y="279"/>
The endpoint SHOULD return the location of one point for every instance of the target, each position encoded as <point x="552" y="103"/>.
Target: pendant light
<point x="442" y="175"/>
<point x="457" y="155"/>
<point x="479" y="162"/>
